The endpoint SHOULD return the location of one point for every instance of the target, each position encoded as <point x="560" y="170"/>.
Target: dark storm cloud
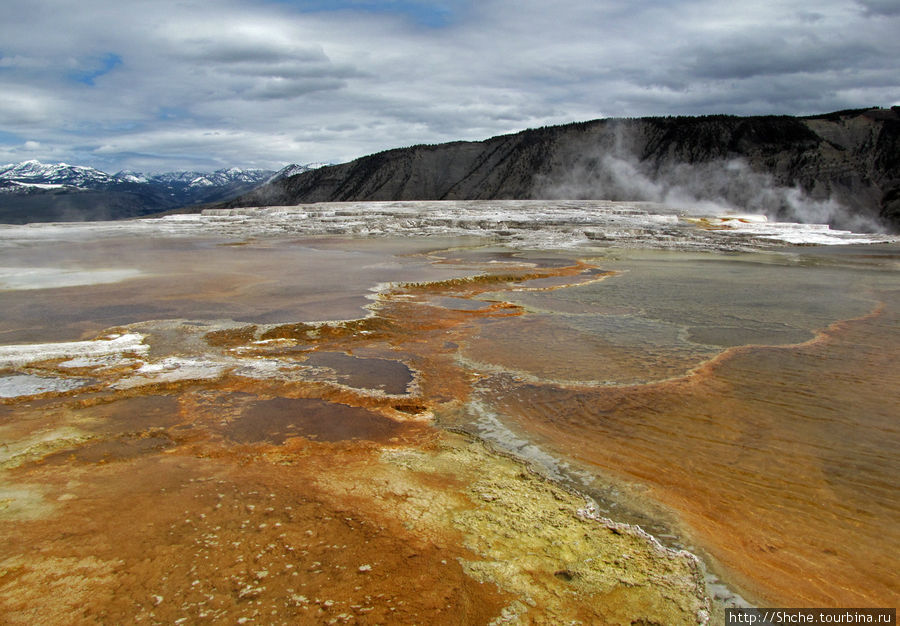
<point x="762" y="55"/>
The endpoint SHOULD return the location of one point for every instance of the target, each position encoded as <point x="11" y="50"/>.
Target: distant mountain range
<point x="841" y="168"/>
<point x="32" y="191"/>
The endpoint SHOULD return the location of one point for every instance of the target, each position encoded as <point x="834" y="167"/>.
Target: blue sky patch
<point x="10" y="138"/>
<point x="172" y="113"/>
<point x="103" y="65"/>
<point x="431" y="14"/>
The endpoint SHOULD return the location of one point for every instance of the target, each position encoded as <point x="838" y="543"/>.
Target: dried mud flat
<point x="245" y="474"/>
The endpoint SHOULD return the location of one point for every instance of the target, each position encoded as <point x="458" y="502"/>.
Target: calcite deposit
<point x="224" y="472"/>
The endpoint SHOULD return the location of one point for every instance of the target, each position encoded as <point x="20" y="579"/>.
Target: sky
<point x="162" y="85"/>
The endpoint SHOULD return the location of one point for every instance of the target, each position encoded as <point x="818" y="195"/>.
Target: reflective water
<point x="205" y="278"/>
<point x="756" y="396"/>
<point x="384" y="375"/>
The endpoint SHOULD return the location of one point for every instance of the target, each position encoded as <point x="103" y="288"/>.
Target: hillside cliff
<point x="842" y="168"/>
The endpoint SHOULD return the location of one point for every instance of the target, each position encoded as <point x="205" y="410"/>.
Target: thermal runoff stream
<point x="446" y="413"/>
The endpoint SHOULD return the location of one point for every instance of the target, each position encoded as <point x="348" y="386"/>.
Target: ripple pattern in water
<point x="779" y="459"/>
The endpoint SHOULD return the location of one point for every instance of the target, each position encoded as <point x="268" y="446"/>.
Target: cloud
<point x="264" y="82"/>
<point x="880" y="7"/>
<point x="25" y="108"/>
<point x="209" y="50"/>
<point x="761" y="54"/>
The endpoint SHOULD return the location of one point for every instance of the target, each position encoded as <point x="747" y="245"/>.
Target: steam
<point x="713" y="187"/>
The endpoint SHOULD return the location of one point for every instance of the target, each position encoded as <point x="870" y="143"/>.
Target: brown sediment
<point x="275" y="420"/>
<point x="290" y="331"/>
<point x="115" y="449"/>
<point x="313" y="532"/>
<point x="231" y="337"/>
<point x="297" y="500"/>
<point x="773" y="458"/>
<point x="588" y="275"/>
<point x="524" y="279"/>
<point x="207" y="539"/>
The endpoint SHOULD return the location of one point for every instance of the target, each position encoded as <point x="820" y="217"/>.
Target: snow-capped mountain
<point x="219" y="178"/>
<point x="130" y="176"/>
<point x="35" y="191"/>
<point x="293" y="169"/>
<point x="37" y="173"/>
